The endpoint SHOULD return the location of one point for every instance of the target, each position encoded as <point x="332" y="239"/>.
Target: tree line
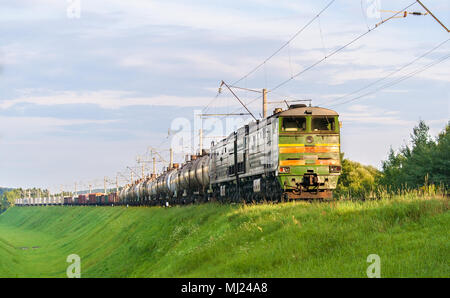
<point x="423" y="164"/>
<point x="8" y="197"/>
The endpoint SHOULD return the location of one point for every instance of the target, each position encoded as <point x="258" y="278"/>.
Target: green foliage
<point x="423" y="166"/>
<point x="4" y="204"/>
<point x="424" y="162"/>
<point x="441" y="159"/>
<point x="4" y="189"/>
<point x="356" y="180"/>
<point x="8" y="197"/>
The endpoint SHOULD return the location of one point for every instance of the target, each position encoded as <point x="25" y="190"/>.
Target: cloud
<point x="27" y="125"/>
<point x="14" y="53"/>
<point x="107" y="99"/>
<point x="395" y="90"/>
<point x="217" y="17"/>
<point x="33" y="130"/>
<point x="364" y="114"/>
<point x="198" y="63"/>
<point x="239" y="27"/>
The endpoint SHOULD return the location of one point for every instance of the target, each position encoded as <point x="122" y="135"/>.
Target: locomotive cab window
<point x="293" y="124"/>
<point x="322" y="124"/>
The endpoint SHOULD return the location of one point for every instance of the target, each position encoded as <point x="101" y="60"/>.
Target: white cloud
<point x="364" y="114"/>
<point x="395" y="90"/>
<point x="16" y="126"/>
<point x="214" y="17"/>
<point x="110" y="99"/>
<point x="198" y="64"/>
<point x="15" y="53"/>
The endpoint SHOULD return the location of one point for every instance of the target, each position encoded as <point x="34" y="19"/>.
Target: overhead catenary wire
<point x="212" y="100"/>
<point x="397" y="81"/>
<point x="292" y="98"/>
<point x="249" y="103"/>
<point x="337" y="50"/>
<point x="331" y="54"/>
<point x="259" y="98"/>
<point x="319" y="61"/>
<point x="286" y="43"/>
<point x="391" y="73"/>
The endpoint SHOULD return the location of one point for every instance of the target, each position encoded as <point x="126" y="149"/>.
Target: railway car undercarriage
<point x="268" y="189"/>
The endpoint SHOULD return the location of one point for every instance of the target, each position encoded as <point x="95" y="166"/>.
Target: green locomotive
<point x="293" y="154"/>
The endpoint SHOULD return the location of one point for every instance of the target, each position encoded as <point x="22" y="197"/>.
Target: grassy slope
<point x="286" y="240"/>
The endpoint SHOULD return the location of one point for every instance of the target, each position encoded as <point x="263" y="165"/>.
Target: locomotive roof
<point x="293" y="111"/>
<point x="315" y="111"/>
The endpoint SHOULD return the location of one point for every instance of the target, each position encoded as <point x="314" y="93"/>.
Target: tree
<point x="440" y="173"/>
<point x="356" y="180"/>
<point x="418" y="158"/>
<point x="424" y="161"/>
<point x="8" y="198"/>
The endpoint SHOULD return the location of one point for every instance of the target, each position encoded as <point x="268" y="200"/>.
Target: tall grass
<point x="297" y="239"/>
<point x="385" y="192"/>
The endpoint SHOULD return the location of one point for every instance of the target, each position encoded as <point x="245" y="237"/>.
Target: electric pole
<point x="200" y="144"/>
<point x="264" y="93"/>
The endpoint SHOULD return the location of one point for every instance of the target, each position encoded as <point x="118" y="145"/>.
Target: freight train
<point x="82" y="199"/>
<point x="292" y="154"/>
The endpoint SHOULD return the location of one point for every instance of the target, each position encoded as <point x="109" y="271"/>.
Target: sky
<point x="87" y="87"/>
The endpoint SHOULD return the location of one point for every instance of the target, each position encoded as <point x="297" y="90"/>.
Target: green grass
<point x="411" y="236"/>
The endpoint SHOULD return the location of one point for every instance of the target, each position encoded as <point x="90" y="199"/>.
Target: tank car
<point x="187" y="184"/>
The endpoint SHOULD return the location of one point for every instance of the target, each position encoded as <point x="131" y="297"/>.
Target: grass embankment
<point x="411" y="236"/>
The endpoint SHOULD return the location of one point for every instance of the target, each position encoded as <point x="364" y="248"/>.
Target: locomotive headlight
<point x="285" y="170"/>
<point x="309" y="139"/>
<point x="335" y="169"/>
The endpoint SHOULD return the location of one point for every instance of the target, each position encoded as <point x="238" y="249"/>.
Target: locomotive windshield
<point x="322" y="124"/>
<point x="294" y="124"/>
